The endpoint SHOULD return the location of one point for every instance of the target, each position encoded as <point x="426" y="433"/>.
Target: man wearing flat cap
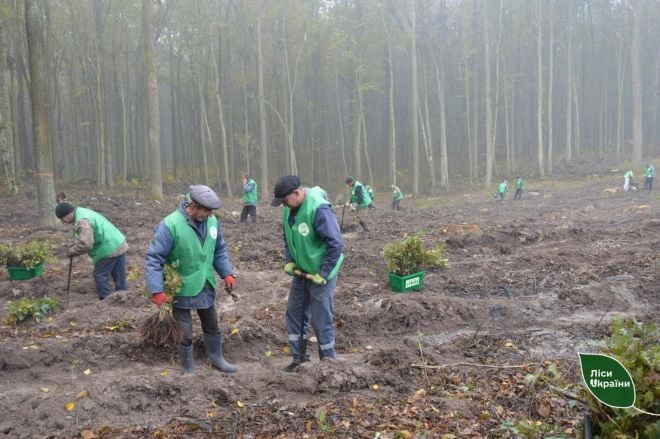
<point x="102" y="241"/>
<point x="313" y="248"/>
<point x="191" y="235"/>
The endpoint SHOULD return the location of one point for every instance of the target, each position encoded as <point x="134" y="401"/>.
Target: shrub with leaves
<point x="410" y="256"/>
<point x="27" y="254"/>
<point x="36" y="309"/>
<point x="636" y="346"/>
<point x="161" y="329"/>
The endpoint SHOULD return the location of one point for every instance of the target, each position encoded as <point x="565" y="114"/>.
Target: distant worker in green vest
<point x="370" y="191"/>
<point x="628" y="178"/>
<point x="102" y="241"/>
<point x="649" y="175"/>
<point x="360" y="200"/>
<point x="397" y="196"/>
<point x="313" y="247"/>
<point x="502" y="190"/>
<point x="191" y="235"/>
<point x="249" y="199"/>
<point x="519" y="188"/>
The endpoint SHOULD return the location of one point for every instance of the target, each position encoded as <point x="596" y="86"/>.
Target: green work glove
<point x="318" y="279"/>
<point x="289" y="267"/>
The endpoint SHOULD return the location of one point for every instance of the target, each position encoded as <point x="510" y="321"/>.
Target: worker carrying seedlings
<point x="249" y="199"/>
<point x="360" y="200"/>
<point x="313" y="248"/>
<point x="191" y="235"/>
<point x="102" y="241"/>
<point x="397" y="196"/>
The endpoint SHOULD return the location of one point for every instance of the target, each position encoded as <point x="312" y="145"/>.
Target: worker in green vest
<point x="519" y="188"/>
<point x="313" y="248"/>
<point x="102" y="241"/>
<point x="249" y="199"/>
<point x="191" y="235"/>
<point x="628" y="178"/>
<point x="360" y="200"/>
<point x="397" y="196"/>
<point x="502" y="190"/>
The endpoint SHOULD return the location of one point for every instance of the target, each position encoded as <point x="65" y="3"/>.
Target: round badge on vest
<point x="303" y="229"/>
<point x="214" y="232"/>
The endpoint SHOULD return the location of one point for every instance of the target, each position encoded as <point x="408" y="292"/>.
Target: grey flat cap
<point x="204" y="196"/>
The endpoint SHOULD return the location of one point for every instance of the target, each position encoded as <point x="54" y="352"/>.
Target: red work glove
<point x="159" y="299"/>
<point x="229" y="282"/>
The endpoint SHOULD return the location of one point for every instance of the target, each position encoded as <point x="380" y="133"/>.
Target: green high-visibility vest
<point x="502" y="189"/>
<point x="305" y="247"/>
<point x="107" y="237"/>
<point x="396" y="194"/>
<point x="251" y="197"/>
<point x="366" y="199"/>
<point x="195" y="259"/>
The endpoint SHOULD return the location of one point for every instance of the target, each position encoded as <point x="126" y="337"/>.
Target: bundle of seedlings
<point x="161" y="329"/>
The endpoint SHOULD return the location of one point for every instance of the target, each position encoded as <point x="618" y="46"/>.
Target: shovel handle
<point x="306" y="276"/>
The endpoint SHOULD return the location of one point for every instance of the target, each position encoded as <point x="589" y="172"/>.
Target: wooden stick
<point x="490" y="366"/>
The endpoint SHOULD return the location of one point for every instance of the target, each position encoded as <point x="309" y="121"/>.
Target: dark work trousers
<point x="115" y="267"/>
<point x="518" y="195"/>
<point x="208" y="317"/>
<point x="395" y="205"/>
<point x="648" y="183"/>
<point x="251" y="211"/>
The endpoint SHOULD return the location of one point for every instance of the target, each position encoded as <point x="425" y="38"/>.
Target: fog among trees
<point x="428" y="94"/>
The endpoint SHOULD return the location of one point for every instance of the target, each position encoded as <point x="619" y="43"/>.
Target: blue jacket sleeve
<point x="221" y="261"/>
<point x="154" y="260"/>
<point x="248" y="187"/>
<point x="327" y="229"/>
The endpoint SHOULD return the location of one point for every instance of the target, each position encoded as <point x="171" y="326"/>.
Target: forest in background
<point x="425" y="93"/>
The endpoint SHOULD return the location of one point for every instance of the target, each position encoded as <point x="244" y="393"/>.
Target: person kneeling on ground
<point x="313" y="248"/>
<point x="102" y="241"/>
<point x="191" y="235"/>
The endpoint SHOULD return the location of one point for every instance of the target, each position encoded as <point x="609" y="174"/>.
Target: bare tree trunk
<point x="7" y="165"/>
<point x="539" y="90"/>
<point x="489" y="109"/>
<point x="569" y="87"/>
<point x="341" y="123"/>
<point x="391" y="139"/>
<point x="655" y="97"/>
<point x="263" y="133"/>
<point x="221" y="120"/>
<point x="635" y="62"/>
<point x="551" y="50"/>
<point x="202" y="137"/>
<point x="102" y="165"/>
<point x="414" y="101"/>
<point x="366" y="150"/>
<point x="427" y="132"/>
<point x="357" y="127"/>
<point x="40" y="113"/>
<point x="440" y="80"/>
<point x="152" y="99"/>
<point x="621" y="76"/>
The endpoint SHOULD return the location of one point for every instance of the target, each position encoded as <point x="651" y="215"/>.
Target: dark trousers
<point x="251" y="211"/>
<point x="648" y="183"/>
<point x="208" y="317"/>
<point x="518" y="195"/>
<point x="395" y="204"/>
<point x="115" y="267"/>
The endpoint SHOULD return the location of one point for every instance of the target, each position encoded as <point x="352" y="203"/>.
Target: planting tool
<point x="306" y="276"/>
<point x="68" y="281"/>
<point x="302" y="343"/>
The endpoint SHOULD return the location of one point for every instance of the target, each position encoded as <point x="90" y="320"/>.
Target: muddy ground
<point x="539" y="281"/>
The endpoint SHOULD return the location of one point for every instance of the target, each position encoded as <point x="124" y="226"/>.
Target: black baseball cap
<point x="284" y="186"/>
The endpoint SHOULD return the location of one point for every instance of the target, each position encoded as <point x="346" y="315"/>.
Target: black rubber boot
<point x="213" y="345"/>
<point x="186" y="359"/>
<point x="364" y="226"/>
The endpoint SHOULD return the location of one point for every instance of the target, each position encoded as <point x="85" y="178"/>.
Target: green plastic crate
<point x="22" y="273"/>
<point x="410" y="282"/>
